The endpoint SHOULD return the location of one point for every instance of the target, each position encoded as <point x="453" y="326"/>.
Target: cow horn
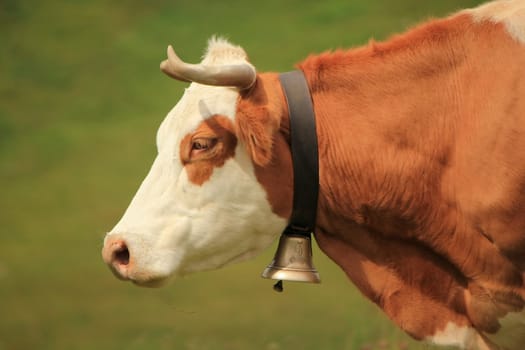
<point x="240" y="75"/>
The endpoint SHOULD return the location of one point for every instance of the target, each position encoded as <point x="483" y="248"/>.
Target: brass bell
<point x="292" y="261"/>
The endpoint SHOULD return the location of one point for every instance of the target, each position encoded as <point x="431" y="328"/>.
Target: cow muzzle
<point x="117" y="254"/>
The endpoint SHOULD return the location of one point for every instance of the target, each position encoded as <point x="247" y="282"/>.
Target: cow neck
<point x="303" y="144"/>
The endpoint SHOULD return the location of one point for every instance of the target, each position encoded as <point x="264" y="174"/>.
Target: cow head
<point x="204" y="203"/>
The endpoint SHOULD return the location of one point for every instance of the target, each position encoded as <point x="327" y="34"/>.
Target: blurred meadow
<point x="81" y="97"/>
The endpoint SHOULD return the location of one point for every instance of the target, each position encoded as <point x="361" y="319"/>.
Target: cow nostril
<point x="121" y="255"/>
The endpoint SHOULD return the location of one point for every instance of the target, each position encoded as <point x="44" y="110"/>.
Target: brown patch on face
<point x="208" y="147"/>
<point x="263" y="127"/>
<point x="257" y="122"/>
<point x="277" y="179"/>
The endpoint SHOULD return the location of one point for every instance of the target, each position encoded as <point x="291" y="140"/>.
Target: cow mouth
<point x="150" y="283"/>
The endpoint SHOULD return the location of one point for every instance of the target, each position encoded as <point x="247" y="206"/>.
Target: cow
<point x="421" y="143"/>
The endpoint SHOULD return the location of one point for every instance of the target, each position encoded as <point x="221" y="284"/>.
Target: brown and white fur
<point x="422" y="176"/>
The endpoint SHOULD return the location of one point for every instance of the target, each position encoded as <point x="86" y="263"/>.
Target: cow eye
<point x="199" y="145"/>
<point x="202" y="144"/>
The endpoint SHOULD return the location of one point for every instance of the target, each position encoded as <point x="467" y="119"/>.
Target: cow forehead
<point x="198" y="103"/>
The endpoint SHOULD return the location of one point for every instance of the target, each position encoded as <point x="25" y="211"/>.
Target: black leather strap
<point x="304" y="153"/>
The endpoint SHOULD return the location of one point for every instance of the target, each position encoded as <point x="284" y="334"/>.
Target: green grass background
<point x="81" y="97"/>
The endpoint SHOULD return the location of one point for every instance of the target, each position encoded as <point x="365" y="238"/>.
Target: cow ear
<point x="255" y="128"/>
<point x="257" y="122"/>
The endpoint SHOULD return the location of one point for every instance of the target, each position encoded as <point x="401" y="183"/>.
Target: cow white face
<point x="201" y="206"/>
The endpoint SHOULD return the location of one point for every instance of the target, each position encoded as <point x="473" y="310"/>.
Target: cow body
<point x="422" y="176"/>
<point x="431" y="150"/>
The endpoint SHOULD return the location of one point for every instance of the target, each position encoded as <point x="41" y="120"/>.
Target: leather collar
<point x="304" y="150"/>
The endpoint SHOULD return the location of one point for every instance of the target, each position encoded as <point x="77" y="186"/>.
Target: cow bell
<point x="292" y="261"/>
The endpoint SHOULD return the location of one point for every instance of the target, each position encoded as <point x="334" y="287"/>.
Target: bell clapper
<point x="278" y="287"/>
